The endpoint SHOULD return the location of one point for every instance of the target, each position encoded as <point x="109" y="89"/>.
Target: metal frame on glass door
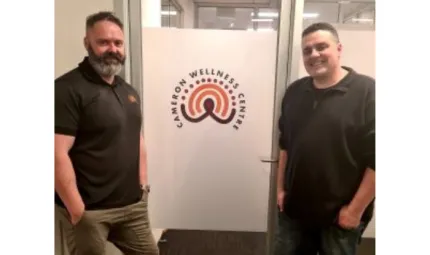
<point x="287" y="70"/>
<point x="129" y="11"/>
<point x="120" y="8"/>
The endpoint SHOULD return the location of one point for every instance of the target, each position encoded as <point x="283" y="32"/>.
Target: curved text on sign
<point x="211" y="94"/>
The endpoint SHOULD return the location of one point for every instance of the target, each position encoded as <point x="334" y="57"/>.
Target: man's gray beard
<point x="106" y="70"/>
<point x="103" y="69"/>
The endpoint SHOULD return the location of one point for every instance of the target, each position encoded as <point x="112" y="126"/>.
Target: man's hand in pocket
<point x="76" y="213"/>
<point x="348" y="219"/>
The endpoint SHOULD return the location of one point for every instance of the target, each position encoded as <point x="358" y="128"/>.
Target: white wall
<point x="70" y="30"/>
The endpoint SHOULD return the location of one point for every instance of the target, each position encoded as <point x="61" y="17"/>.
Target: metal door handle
<point x="269" y="160"/>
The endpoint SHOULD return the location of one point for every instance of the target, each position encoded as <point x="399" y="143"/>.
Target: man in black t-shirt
<point x="326" y="174"/>
<point x="101" y="189"/>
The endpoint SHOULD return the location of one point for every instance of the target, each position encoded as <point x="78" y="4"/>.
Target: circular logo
<point x="208" y="93"/>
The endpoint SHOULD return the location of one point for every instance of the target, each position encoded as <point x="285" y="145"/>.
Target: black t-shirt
<point x="106" y="123"/>
<point x="329" y="136"/>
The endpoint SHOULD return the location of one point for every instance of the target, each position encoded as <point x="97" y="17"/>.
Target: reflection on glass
<point x="224" y="18"/>
<point x="320" y="12"/>
<point x="267" y="19"/>
<point x="238" y="18"/>
<point x="170" y="15"/>
<point x="359" y="13"/>
<point x="341" y="12"/>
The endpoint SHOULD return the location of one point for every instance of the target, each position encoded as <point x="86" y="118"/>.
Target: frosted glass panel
<point x="208" y="107"/>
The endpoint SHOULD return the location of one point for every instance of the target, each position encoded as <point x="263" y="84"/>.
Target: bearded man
<point x="101" y="188"/>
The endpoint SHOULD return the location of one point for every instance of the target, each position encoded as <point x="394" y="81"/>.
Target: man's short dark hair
<point x="102" y="16"/>
<point x="321" y="26"/>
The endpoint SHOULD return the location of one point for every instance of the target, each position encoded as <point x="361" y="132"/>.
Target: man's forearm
<point x="143" y="173"/>
<point x="365" y="193"/>
<point x="65" y="182"/>
<point x="281" y="169"/>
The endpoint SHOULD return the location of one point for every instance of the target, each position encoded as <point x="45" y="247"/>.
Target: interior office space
<point x="277" y="26"/>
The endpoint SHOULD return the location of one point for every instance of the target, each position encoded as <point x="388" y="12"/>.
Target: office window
<point x="359" y="13"/>
<point x="265" y="19"/>
<point x="171" y="15"/>
<point x="227" y="18"/>
<point x="224" y="18"/>
<point x="340" y="12"/>
<point x="320" y="12"/>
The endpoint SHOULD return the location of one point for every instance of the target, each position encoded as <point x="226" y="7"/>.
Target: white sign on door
<point x="208" y="114"/>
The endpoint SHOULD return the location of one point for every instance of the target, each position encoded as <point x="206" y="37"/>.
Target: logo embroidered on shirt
<point x="132" y="99"/>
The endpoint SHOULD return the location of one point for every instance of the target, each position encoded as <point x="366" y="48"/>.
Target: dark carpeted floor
<point x="192" y="242"/>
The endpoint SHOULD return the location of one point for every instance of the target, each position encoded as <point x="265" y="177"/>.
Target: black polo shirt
<point x="329" y="136"/>
<point x="106" y="123"/>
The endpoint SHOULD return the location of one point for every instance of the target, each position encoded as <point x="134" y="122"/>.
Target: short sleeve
<point x="368" y="132"/>
<point x="66" y="110"/>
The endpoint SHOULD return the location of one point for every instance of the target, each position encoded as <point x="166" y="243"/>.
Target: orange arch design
<point x="218" y="101"/>
<point x="208" y="89"/>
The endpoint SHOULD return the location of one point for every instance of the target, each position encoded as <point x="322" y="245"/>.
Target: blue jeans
<point x="293" y="238"/>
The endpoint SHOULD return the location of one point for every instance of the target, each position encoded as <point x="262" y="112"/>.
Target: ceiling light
<point x="361" y="20"/>
<point x="266" y="14"/>
<point x="310" y="15"/>
<point x="168" y="13"/>
<point x="261" y="20"/>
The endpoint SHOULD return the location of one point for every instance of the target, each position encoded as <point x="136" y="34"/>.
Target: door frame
<point x="287" y="70"/>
